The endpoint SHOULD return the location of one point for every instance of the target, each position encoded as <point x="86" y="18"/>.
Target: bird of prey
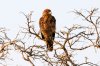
<point x="47" y="24"/>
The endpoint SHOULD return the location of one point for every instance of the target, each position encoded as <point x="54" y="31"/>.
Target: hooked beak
<point x="50" y="12"/>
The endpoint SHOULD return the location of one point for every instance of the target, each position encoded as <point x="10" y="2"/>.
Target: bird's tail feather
<point x="49" y="45"/>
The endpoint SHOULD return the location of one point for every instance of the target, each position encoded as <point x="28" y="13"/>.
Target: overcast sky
<point x="12" y="18"/>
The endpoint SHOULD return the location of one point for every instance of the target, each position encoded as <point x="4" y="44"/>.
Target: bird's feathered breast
<point x="47" y="23"/>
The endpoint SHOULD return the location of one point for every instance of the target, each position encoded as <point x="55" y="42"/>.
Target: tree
<point x="68" y="43"/>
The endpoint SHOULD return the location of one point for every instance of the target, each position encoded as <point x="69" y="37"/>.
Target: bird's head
<point x="47" y="12"/>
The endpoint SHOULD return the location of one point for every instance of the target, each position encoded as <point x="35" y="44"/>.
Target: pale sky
<point x="12" y="18"/>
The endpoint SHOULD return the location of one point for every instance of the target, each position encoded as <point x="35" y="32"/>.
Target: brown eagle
<point x="47" y="25"/>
